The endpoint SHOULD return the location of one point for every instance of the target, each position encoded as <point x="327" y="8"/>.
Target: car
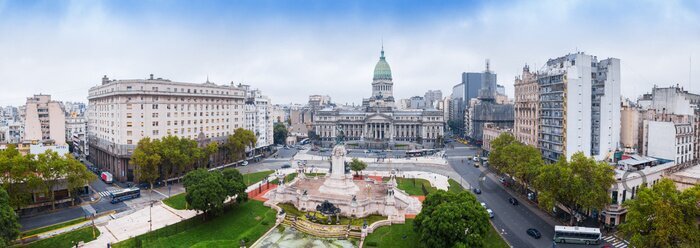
<point x="534" y="233"/>
<point x="476" y="165"/>
<point x="483" y="204"/>
<point x="475" y="158"/>
<point x="285" y="166"/>
<point x="244" y="163"/>
<point x="513" y="201"/>
<point x="501" y="180"/>
<point x="477" y="191"/>
<point x="490" y="212"/>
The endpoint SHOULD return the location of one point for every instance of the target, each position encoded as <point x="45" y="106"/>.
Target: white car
<point x="475" y="158"/>
<point x="490" y="212"/>
<point x="244" y="163"/>
<point x="483" y="204"/>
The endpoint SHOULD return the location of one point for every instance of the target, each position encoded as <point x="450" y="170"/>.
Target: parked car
<point x="106" y="177"/>
<point x="501" y="180"/>
<point x="285" y="166"/>
<point x="534" y="233"/>
<point x="513" y="201"/>
<point x="475" y="158"/>
<point x="476" y="165"/>
<point x="483" y="204"/>
<point x="477" y="191"/>
<point x="490" y="212"/>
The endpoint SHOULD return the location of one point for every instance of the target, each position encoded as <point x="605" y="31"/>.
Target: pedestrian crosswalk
<point x="615" y="241"/>
<point x="107" y="192"/>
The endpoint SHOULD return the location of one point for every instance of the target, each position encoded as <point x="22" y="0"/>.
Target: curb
<point x="500" y="234"/>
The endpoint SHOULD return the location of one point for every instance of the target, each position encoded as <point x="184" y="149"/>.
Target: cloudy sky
<point x="292" y="49"/>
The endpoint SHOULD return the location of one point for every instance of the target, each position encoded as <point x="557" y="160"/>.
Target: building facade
<point x="672" y="141"/>
<point x="378" y="123"/>
<point x="579" y="107"/>
<point x="491" y="132"/>
<point x="43" y="120"/>
<point x="121" y="112"/>
<point x="258" y="116"/>
<point x="485" y="109"/>
<point x="526" y="107"/>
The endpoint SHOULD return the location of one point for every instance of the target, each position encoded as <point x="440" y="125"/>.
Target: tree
<point x="206" y="191"/>
<point x="499" y="158"/>
<point x="235" y="187"/>
<point x="9" y="225"/>
<point x="147" y="160"/>
<point x="357" y="165"/>
<point x="14" y="168"/>
<point x="451" y="220"/>
<point x="51" y="169"/>
<point x="237" y="143"/>
<point x="579" y="184"/>
<point x="177" y="154"/>
<point x="661" y="216"/>
<point x="525" y="162"/>
<point x="280" y="133"/>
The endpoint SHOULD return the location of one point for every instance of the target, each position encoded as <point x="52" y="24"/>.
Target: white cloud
<point x="290" y="59"/>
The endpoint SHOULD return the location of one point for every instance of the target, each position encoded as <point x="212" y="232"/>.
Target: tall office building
<point x="44" y="120"/>
<point x="526" y="107"/>
<point x="462" y="94"/>
<point x="579" y="106"/>
<point x="121" y="112"/>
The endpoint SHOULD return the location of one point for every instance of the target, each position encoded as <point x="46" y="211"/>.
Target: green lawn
<point x="455" y="186"/>
<point x="67" y="239"/>
<point x="248" y="221"/>
<point x="404" y="236"/>
<point x="293" y="211"/>
<point x="287" y="178"/>
<point x="412" y="186"/>
<point x="177" y="201"/>
<point x="393" y="236"/>
<point x="53" y="227"/>
<point x="255" y="177"/>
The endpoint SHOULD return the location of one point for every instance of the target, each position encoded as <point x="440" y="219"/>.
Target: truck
<point x="106" y="177"/>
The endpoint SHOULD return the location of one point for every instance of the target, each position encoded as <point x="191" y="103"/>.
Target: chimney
<point x="105" y="80"/>
<point x="151" y="76"/>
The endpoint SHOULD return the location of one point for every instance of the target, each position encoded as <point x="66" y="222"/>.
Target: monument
<point x="339" y="183"/>
<point x="356" y="198"/>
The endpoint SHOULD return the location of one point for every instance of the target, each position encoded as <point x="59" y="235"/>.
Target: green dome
<point x="382" y="69"/>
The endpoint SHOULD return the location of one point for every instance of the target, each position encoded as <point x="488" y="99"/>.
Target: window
<point x="129" y="124"/>
<point x="128" y="142"/>
<point x="155" y="132"/>
<point x="128" y="133"/>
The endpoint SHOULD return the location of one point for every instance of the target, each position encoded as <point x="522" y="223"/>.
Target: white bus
<point x="577" y="234"/>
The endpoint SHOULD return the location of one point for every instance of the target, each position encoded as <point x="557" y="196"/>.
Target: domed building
<point x="378" y="124"/>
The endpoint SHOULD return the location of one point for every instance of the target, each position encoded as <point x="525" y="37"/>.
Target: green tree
<point x="237" y="143"/>
<point x="147" y="160"/>
<point x="661" y="216"/>
<point x="177" y="154"/>
<point x="280" y="133"/>
<point x="9" y="225"/>
<point x="52" y="169"/>
<point x="357" y="165"/>
<point x="525" y="163"/>
<point x="234" y="184"/>
<point x="451" y="220"/>
<point x="15" y="167"/>
<point x="579" y="184"/>
<point x="206" y="191"/>
<point x="500" y="158"/>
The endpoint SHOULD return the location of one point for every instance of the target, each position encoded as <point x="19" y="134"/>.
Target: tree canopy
<point x="357" y="165"/>
<point x="661" y="216"/>
<point x="147" y="159"/>
<point x="237" y="143"/>
<point x="451" y="220"/>
<point x="579" y="184"/>
<point x="280" y="133"/>
<point x="9" y="225"/>
<point x="207" y="191"/>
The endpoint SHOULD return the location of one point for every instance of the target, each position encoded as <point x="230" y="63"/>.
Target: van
<point x="106" y="177"/>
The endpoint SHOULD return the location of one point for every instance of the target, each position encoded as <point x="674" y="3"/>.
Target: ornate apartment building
<point x="378" y="123"/>
<point x="527" y="107"/>
<point x="121" y="112"/>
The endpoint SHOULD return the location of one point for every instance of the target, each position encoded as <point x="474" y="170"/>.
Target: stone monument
<point x="339" y="183"/>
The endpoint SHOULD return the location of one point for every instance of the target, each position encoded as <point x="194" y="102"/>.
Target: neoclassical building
<point x="378" y="123"/>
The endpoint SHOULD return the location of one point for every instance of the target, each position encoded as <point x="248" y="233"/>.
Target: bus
<point x="577" y="234"/>
<point x="125" y="194"/>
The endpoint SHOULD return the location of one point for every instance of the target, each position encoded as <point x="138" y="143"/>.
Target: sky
<point x="293" y="49"/>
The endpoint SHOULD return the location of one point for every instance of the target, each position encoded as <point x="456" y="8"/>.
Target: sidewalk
<point x="302" y="155"/>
